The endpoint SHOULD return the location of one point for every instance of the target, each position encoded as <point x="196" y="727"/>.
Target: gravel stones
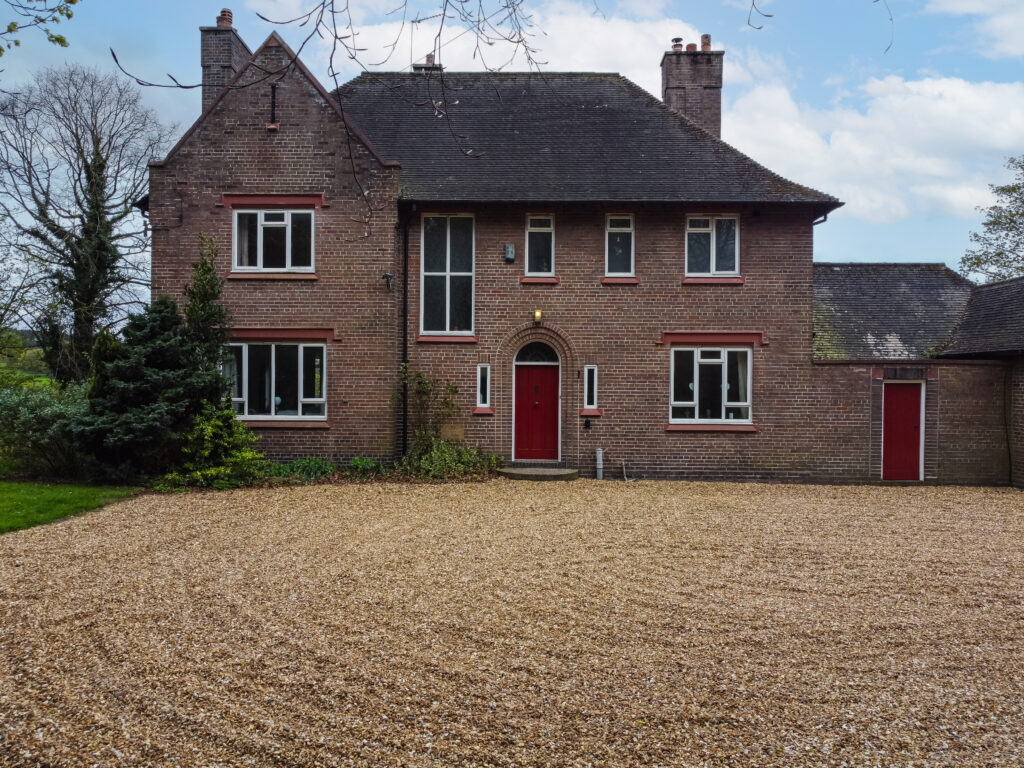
<point x="519" y="624"/>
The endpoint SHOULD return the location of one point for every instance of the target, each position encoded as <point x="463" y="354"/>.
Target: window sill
<point x="591" y="412"/>
<point x="273" y="276"/>
<point x="483" y="411"/>
<point x="427" y="339"/>
<point x="711" y="428"/>
<point x="539" y="280"/>
<point x="284" y="424"/>
<point x="620" y="281"/>
<point x="714" y="280"/>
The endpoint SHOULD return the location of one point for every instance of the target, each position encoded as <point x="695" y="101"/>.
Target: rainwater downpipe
<point x="405" y="330"/>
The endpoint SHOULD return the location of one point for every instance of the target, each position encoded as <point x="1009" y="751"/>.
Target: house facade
<point x="592" y="267"/>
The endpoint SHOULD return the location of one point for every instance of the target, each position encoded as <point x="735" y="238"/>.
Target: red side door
<point x="536" y="427"/>
<point x="901" y="432"/>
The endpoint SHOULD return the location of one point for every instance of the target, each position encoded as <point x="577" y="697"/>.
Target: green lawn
<point x="23" y="505"/>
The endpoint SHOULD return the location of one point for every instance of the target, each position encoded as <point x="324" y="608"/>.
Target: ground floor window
<point x="278" y="380"/>
<point x="483" y="385"/>
<point x="709" y="385"/>
<point x="590" y="386"/>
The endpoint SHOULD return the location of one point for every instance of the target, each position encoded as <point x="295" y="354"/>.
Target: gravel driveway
<point x="510" y="623"/>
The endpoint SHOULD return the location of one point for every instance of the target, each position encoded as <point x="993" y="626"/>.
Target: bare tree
<point x="74" y="146"/>
<point x="37" y="15"/>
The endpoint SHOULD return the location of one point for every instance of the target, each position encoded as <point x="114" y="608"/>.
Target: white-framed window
<point x="712" y="246"/>
<point x="483" y="385"/>
<point x="446" y="274"/>
<point x="710" y="385"/>
<point x="590" y="386"/>
<point x="618" y="245"/>
<point x="540" y="245"/>
<point x="278" y="381"/>
<point x="274" y="240"/>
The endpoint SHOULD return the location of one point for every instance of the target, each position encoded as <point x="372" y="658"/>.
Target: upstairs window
<point x="274" y="241"/>
<point x="710" y="385"/>
<point x="446" y="298"/>
<point x="712" y="246"/>
<point x="618" y="251"/>
<point x="540" y="246"/>
<point x="278" y="380"/>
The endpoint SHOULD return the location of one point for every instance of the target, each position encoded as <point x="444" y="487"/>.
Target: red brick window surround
<point x="273" y="234"/>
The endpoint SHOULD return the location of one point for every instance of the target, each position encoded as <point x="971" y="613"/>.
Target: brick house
<point x="591" y="266"/>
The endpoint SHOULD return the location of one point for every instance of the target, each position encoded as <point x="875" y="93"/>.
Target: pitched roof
<point x="993" y="323"/>
<point x="496" y="136"/>
<point x="886" y="311"/>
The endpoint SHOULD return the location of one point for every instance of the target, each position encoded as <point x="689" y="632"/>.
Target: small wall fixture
<point x="387" y="277"/>
<point x="536" y="315"/>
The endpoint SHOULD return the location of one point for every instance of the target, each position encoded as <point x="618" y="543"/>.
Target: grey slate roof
<point x="866" y="311"/>
<point x="994" y="321"/>
<point x="493" y="136"/>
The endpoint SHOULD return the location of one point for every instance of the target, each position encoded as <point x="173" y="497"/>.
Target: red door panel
<point x="901" y="432"/>
<point x="536" y="427"/>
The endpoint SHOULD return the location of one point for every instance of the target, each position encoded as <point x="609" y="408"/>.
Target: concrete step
<point x="539" y="473"/>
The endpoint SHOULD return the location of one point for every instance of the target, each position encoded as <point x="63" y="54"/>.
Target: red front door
<point x="536" y="427"/>
<point x="901" y="432"/>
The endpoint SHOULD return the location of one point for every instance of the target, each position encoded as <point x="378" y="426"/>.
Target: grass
<point x="23" y="505"/>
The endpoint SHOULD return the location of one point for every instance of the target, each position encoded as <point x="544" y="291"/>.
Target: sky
<point x="907" y="121"/>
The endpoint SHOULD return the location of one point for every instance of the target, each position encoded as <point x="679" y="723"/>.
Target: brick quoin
<point x="814" y="421"/>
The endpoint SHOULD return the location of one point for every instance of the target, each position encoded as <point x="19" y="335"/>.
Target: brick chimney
<point x="221" y="53"/>
<point x="691" y="83"/>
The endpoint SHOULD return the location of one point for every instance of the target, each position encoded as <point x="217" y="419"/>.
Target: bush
<point x="217" y="452"/>
<point x="308" y="469"/>
<point x="443" y="460"/>
<point x="36" y="427"/>
<point x="363" y="468"/>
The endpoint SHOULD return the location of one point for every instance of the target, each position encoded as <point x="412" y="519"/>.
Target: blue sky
<point x="909" y="137"/>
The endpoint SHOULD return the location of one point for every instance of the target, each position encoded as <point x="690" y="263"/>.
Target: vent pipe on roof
<point x="691" y="83"/>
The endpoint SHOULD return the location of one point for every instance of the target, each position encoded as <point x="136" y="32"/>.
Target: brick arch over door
<point x="504" y="384"/>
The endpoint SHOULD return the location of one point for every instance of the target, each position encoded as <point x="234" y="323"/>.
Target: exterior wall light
<point x="536" y="315"/>
<point x="387" y="277"/>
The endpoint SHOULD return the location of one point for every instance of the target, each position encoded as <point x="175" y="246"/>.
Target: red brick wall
<point x="972" y="427"/>
<point x="233" y="152"/>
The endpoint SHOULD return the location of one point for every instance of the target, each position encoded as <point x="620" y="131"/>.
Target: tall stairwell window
<point x="446" y="295"/>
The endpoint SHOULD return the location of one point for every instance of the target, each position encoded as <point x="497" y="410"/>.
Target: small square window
<point x="712" y="246"/>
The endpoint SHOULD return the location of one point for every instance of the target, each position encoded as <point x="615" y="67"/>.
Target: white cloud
<point x="999" y="23"/>
<point x="918" y="147"/>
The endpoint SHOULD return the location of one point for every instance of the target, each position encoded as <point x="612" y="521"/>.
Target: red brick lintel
<point x="714" y="280"/>
<point x="427" y="339"/>
<point x="273" y="201"/>
<point x="711" y="428"/>
<point x="282" y="334"/>
<point x="283" y="424"/>
<point x="272" y="276"/>
<point x="756" y="338"/>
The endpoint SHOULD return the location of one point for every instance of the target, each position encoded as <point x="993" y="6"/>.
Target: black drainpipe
<point x="405" y="327"/>
<point x="1008" y="417"/>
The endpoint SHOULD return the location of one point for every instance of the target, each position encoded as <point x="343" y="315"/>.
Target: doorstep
<point x="539" y="473"/>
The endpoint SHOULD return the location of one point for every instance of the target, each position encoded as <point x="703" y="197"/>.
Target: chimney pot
<point x="430" y="59"/>
<point x="691" y="47"/>
<point x="225" y="19"/>
<point x="677" y="44"/>
<point x="705" y="42"/>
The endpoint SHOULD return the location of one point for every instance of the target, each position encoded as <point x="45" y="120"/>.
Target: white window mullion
<point x="287" y="239"/>
<point x="245" y="379"/>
